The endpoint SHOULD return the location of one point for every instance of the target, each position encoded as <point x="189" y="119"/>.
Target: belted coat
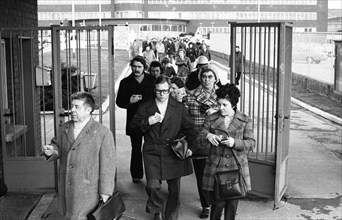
<point x="220" y="157"/>
<point x="159" y="159"/>
<point x="87" y="167"/>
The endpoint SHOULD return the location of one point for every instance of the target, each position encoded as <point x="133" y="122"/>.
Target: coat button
<point x="69" y="183"/>
<point x="227" y="156"/>
<point x="227" y="165"/>
<point x="70" y="166"/>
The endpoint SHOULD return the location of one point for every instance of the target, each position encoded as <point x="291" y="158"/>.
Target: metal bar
<point x="263" y="90"/>
<point x="232" y="55"/>
<point x="99" y="71"/>
<point x="250" y="72"/>
<point x="274" y="86"/>
<point x="268" y="86"/>
<point x="111" y="80"/>
<point x="242" y="103"/>
<point x="259" y="89"/>
<point x="43" y="86"/>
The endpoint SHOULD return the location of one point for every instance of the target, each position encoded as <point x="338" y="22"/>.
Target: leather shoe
<point x="158" y="216"/>
<point x="136" y="180"/>
<point x="205" y="212"/>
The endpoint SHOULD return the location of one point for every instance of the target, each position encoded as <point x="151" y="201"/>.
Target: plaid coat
<point x="194" y="100"/>
<point x="221" y="158"/>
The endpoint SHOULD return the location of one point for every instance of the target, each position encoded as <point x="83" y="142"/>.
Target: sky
<point x="335" y="4"/>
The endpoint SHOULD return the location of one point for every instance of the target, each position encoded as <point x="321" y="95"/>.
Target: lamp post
<point x="258" y="11"/>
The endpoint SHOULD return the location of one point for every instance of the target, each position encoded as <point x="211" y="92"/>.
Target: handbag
<point x="112" y="209"/>
<point x="180" y="147"/>
<point x="230" y="184"/>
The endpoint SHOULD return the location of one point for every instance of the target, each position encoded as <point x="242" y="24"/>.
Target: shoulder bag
<point x="230" y="184"/>
<point x="113" y="208"/>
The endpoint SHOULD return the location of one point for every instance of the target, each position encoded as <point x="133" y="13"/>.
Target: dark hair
<point x="205" y="70"/>
<point x="86" y="97"/>
<point x="165" y="60"/>
<point x="178" y="81"/>
<point x="162" y="79"/>
<point x="155" y="64"/>
<point x="229" y="92"/>
<point x="139" y="59"/>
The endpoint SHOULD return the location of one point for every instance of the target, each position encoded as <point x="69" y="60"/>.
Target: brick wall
<point x="17" y="13"/>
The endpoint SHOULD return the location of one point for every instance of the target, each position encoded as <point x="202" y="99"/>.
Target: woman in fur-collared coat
<point x="227" y="130"/>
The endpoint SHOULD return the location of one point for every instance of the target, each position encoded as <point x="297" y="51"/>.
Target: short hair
<point x="155" y="63"/>
<point x="139" y="59"/>
<point x="205" y="70"/>
<point x="165" y="60"/>
<point x="162" y="79"/>
<point x="86" y="97"/>
<point x="229" y="92"/>
<point x="178" y="81"/>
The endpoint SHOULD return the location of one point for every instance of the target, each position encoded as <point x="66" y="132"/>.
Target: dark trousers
<point x="217" y="206"/>
<point x="237" y="79"/>
<point x="199" y="165"/>
<point x="155" y="201"/>
<point x="137" y="167"/>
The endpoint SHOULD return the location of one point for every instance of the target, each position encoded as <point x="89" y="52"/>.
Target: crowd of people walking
<point x="188" y="99"/>
<point x="163" y="104"/>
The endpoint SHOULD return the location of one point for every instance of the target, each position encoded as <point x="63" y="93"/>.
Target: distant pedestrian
<point x="148" y="55"/>
<point x="163" y="119"/>
<point x="193" y="80"/>
<point x="155" y="68"/>
<point x="168" y="69"/>
<point x="133" y="90"/>
<point x="239" y="61"/>
<point x="191" y="52"/>
<point x="86" y="152"/>
<point x="134" y="50"/>
<point x="171" y="50"/>
<point x="204" y="51"/>
<point x="227" y="131"/>
<point x="160" y="50"/>
<point x="184" y="65"/>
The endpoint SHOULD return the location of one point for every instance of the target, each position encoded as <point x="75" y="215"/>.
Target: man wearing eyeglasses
<point x="162" y="120"/>
<point x="133" y="90"/>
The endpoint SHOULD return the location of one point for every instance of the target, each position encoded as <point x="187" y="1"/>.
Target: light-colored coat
<point x="220" y="157"/>
<point x="87" y="167"/>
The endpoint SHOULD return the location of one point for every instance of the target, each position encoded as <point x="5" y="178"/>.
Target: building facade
<point x="203" y="15"/>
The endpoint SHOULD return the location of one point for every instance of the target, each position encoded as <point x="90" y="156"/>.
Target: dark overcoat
<point x="159" y="159"/>
<point x="220" y="157"/>
<point x="128" y="87"/>
<point x="86" y="168"/>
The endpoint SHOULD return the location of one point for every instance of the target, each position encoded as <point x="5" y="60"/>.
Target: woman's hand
<point x="211" y="111"/>
<point x="229" y="142"/>
<point x="213" y="139"/>
<point x="188" y="153"/>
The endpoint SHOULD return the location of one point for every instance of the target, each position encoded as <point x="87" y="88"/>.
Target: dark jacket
<point x="128" y="87"/>
<point x="220" y="157"/>
<point x="205" y="53"/>
<point x="191" y="52"/>
<point x="159" y="159"/>
<point x="192" y="82"/>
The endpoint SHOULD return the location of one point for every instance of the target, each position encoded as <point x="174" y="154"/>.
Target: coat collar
<point x="201" y="97"/>
<point x="217" y="121"/>
<point x="69" y="130"/>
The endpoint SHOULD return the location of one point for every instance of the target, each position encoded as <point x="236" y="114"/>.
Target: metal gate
<point x="40" y="69"/>
<point x="265" y="97"/>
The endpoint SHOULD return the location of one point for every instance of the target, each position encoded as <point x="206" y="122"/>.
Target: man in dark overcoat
<point x="162" y="120"/>
<point x="133" y="90"/>
<point x="86" y="152"/>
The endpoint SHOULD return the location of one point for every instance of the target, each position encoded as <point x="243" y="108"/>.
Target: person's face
<point x="237" y="49"/>
<point x="155" y="71"/>
<point x="137" y="68"/>
<point x="181" y="54"/>
<point x="226" y="108"/>
<point x="79" y="111"/>
<point x="208" y="80"/>
<point x="174" y="90"/>
<point x="148" y="48"/>
<point x="204" y="47"/>
<point x="162" y="91"/>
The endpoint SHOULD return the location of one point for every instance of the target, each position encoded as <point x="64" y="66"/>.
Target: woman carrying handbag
<point x="230" y="134"/>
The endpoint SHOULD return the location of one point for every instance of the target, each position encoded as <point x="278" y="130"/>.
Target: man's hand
<point x="48" y="150"/>
<point x="155" y="118"/>
<point x="188" y="153"/>
<point x="104" y="197"/>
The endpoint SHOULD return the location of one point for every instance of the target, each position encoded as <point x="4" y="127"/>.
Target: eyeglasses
<point x="210" y="77"/>
<point x="162" y="91"/>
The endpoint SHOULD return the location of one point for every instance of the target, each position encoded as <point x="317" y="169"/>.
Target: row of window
<point x="128" y="14"/>
<point x="223" y="15"/>
<point x="128" y="1"/>
<point x="68" y="15"/>
<point x="262" y="2"/>
<point x="162" y="27"/>
<point x="76" y="2"/>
